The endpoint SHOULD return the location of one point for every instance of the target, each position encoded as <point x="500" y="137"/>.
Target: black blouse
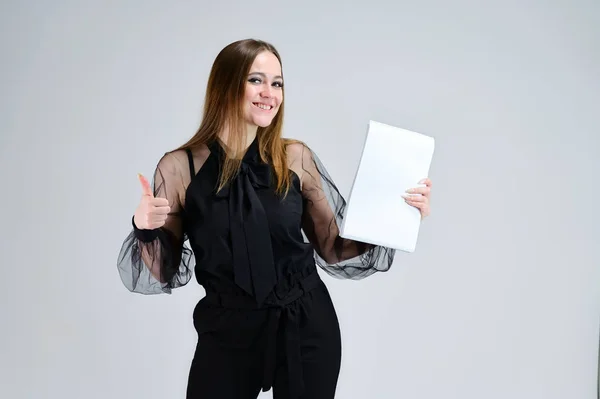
<point x="246" y="238"/>
<point x="248" y="246"/>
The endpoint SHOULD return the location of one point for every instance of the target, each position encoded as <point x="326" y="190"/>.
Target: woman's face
<point x="264" y="93"/>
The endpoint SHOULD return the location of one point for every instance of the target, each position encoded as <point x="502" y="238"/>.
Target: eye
<point x="278" y="84"/>
<point x="254" y="80"/>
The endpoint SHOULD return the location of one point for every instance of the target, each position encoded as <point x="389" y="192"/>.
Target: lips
<point x="265" y="107"/>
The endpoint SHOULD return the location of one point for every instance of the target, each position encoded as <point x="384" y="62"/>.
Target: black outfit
<point x="267" y="319"/>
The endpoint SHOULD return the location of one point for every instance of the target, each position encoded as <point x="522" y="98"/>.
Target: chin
<point x="263" y="123"/>
<point x="260" y="122"/>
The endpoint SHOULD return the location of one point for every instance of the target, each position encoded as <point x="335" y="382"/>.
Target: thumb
<point x="146" y="189"/>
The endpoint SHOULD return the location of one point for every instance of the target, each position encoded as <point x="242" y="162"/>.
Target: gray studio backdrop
<point x="500" y="300"/>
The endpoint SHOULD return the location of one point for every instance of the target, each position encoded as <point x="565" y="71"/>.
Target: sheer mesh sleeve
<point x="156" y="261"/>
<point x="324" y="213"/>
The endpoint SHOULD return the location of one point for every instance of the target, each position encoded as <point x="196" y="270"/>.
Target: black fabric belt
<point x="280" y="316"/>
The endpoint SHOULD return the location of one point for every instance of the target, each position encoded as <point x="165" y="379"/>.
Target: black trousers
<point x="298" y="341"/>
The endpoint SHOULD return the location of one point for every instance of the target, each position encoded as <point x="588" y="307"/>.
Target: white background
<point x="500" y="300"/>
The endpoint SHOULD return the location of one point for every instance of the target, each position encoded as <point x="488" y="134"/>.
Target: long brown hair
<point x="223" y="109"/>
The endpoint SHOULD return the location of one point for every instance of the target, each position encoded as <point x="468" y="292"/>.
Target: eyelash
<point x="254" y="80"/>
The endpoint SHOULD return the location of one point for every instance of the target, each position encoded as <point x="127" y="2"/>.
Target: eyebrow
<point x="264" y="76"/>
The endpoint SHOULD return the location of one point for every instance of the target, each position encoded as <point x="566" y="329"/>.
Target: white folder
<point x="393" y="160"/>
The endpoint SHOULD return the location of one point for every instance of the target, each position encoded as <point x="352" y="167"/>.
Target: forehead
<point x="267" y="63"/>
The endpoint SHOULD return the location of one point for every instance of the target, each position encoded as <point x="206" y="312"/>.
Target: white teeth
<point x="263" y="106"/>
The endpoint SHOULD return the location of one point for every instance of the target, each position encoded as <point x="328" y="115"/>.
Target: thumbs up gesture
<point x="152" y="212"/>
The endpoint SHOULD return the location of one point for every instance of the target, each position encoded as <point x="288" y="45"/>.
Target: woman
<point x="242" y="195"/>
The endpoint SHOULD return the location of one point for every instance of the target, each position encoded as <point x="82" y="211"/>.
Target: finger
<point x="157" y="219"/>
<point x="146" y="189"/>
<point x="416" y="197"/>
<point x="159" y="201"/>
<point x="161" y="210"/>
<point x="425" y="181"/>
<point x="419" y="190"/>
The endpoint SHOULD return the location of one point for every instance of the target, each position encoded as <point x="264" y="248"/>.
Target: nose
<point x="266" y="91"/>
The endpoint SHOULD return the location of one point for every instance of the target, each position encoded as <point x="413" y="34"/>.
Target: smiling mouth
<point x="263" y="106"/>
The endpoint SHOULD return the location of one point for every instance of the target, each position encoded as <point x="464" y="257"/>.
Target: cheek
<point x="251" y="92"/>
<point x="279" y="97"/>
<point x="250" y="95"/>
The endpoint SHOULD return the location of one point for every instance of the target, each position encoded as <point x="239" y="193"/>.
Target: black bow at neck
<point x="253" y="265"/>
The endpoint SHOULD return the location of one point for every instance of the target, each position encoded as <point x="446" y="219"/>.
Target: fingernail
<point x="410" y="190"/>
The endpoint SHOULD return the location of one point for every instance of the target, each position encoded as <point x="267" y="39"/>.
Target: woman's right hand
<point x="152" y="212"/>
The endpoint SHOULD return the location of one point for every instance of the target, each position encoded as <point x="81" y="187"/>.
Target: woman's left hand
<point x="420" y="201"/>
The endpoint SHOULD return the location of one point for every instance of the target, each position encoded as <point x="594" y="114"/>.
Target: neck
<point x="250" y="136"/>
